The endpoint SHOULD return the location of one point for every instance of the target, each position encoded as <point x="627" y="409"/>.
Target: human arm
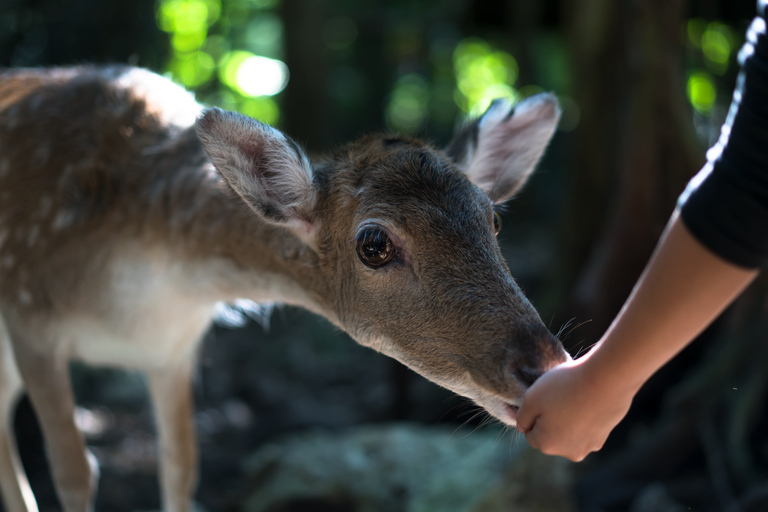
<point x="571" y="409"/>
<point x="701" y="264"/>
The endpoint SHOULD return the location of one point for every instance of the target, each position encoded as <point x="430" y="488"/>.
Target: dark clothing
<point x="726" y="205"/>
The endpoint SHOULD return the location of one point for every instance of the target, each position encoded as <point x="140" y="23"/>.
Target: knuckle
<point x="550" y="449"/>
<point x="597" y="446"/>
<point x="579" y="457"/>
<point x="536" y="442"/>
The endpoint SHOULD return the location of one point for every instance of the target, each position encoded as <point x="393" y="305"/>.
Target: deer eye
<point x="496" y="223"/>
<point x="374" y="248"/>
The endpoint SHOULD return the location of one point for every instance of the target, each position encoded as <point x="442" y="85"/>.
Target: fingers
<point x="528" y="413"/>
<point x="572" y="450"/>
<point x="557" y="419"/>
<point x="533" y="438"/>
<point x="525" y="420"/>
<point x="540" y="442"/>
<point x="534" y="433"/>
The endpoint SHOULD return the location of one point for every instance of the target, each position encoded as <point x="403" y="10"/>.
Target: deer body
<point x="123" y="224"/>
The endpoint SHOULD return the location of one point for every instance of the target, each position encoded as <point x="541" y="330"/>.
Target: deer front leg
<point x="46" y="376"/>
<point x="17" y="495"/>
<point x="171" y="390"/>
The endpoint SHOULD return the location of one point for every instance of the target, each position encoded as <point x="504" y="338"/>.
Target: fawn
<point x="127" y="212"/>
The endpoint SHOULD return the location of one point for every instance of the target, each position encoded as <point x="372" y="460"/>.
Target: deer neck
<point x="238" y="254"/>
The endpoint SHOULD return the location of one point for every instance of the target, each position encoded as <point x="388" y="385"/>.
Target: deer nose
<point x="527" y="375"/>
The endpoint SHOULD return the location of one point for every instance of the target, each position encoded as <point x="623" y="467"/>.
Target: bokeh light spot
<point x="482" y="74"/>
<point x="187" y="16"/>
<point x="264" y="109"/>
<point x="717" y="43"/>
<point x="188" y="41"/>
<point x="192" y="69"/>
<point x="407" y="107"/>
<point x="264" y="35"/>
<point x="252" y="75"/>
<point x="702" y="92"/>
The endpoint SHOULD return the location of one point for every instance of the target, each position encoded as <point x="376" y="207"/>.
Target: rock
<point x="533" y="482"/>
<point x="399" y="467"/>
<point x="655" y="498"/>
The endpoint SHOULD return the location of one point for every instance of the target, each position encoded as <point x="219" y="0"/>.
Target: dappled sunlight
<point x="246" y="69"/>
<point x="291" y="414"/>
<point x="252" y="75"/>
<point x="714" y="44"/>
<point x="482" y="74"/>
<point x="702" y="92"/>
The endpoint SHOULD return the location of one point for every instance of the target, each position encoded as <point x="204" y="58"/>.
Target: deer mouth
<point x="502" y="410"/>
<point x="511" y="412"/>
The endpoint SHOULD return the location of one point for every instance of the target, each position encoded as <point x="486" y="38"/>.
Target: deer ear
<point x="267" y="169"/>
<point x="499" y="151"/>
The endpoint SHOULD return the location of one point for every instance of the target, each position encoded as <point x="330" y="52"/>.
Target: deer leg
<point x="17" y="495"/>
<point x="46" y="376"/>
<point x="171" y="390"/>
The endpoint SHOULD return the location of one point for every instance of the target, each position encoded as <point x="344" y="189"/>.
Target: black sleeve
<point x="725" y="206"/>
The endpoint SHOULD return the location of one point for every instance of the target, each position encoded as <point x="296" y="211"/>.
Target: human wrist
<point x="602" y="376"/>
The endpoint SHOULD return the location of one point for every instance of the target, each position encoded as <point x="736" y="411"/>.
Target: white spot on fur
<point x="34" y="231"/>
<point x="170" y="102"/>
<point x="62" y="220"/>
<point x="25" y="297"/>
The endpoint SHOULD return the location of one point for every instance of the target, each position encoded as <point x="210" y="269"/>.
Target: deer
<point x="128" y="212"/>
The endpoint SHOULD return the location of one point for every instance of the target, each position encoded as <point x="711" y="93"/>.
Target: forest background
<point x="644" y="86"/>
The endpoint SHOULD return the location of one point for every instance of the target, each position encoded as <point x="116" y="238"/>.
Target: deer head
<point x="401" y="241"/>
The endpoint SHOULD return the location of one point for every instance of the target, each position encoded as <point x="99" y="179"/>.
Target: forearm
<point x="682" y="290"/>
<point x="571" y="409"/>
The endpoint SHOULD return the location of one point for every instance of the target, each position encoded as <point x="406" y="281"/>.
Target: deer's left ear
<point x="499" y="151"/>
<point x="267" y="169"/>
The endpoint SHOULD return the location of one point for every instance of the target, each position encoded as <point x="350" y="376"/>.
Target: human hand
<point x="572" y="408"/>
<point x="570" y="411"/>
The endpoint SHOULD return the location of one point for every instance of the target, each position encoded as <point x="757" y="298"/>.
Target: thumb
<point x="526" y="417"/>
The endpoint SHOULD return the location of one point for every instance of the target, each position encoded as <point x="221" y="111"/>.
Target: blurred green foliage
<point x="415" y="66"/>
<point x="229" y="51"/>
<point x="713" y="44"/>
<point x="328" y="70"/>
<point x="482" y="74"/>
<point x="231" y="43"/>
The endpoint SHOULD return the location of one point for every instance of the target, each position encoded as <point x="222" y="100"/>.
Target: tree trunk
<point x="305" y="101"/>
<point x="628" y="82"/>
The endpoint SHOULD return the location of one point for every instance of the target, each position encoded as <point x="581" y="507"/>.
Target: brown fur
<point x="105" y="194"/>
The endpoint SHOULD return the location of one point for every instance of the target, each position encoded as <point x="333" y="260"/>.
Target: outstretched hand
<point x="572" y="408"/>
<point x="568" y="412"/>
